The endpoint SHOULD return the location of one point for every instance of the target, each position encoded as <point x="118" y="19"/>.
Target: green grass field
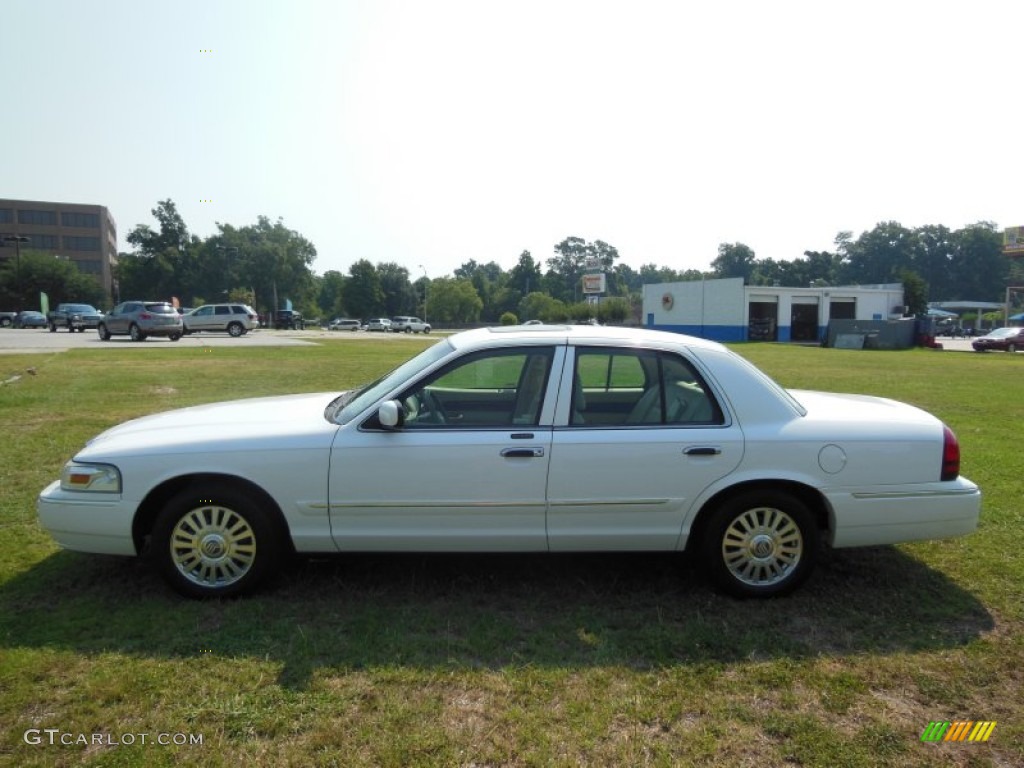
<point x="504" y="660"/>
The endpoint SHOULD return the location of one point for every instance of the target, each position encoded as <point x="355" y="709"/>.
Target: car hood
<point x="291" y="421"/>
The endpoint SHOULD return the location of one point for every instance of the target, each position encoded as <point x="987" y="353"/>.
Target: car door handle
<point x="702" y="450"/>
<point x="522" y="453"/>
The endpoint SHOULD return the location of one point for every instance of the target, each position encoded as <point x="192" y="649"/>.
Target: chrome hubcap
<point x="762" y="546"/>
<point x="213" y="546"/>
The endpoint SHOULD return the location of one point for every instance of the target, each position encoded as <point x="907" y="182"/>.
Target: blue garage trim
<point x="713" y="332"/>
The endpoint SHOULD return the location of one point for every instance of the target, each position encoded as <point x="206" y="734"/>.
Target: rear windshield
<point x="161" y="308"/>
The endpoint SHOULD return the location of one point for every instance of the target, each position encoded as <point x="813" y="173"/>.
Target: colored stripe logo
<point x="959" y="730"/>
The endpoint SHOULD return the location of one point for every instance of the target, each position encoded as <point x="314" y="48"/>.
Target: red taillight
<point x="145" y="316"/>
<point x="950" y="455"/>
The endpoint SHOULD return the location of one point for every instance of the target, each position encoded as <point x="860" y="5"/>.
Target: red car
<point x="1006" y="339"/>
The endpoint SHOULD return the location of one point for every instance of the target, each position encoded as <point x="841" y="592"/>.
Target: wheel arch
<point x="149" y="509"/>
<point x="811" y="497"/>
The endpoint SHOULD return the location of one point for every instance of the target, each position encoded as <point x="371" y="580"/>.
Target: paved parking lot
<point x="30" y="340"/>
<point x="40" y="340"/>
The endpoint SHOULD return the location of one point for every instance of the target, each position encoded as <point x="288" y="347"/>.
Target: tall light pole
<point x="17" y="240"/>
<point x="426" y="282"/>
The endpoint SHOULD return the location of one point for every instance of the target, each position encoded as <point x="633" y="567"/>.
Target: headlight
<point x="90" y="478"/>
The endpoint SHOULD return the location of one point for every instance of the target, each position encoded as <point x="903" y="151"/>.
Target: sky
<point x="432" y="132"/>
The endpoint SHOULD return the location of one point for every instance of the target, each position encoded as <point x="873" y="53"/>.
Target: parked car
<point x="404" y="324"/>
<point x="290" y="320"/>
<point x="548" y="438"/>
<point x="30" y="319"/>
<point x="378" y="324"/>
<point x="1006" y="339"/>
<point x="234" y="319"/>
<point x="140" y="319"/>
<point x="344" y="324"/>
<point x="74" y="317"/>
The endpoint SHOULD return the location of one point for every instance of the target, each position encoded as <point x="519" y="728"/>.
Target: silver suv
<point x="235" y="319"/>
<point x="140" y="319"/>
<point x="409" y="325"/>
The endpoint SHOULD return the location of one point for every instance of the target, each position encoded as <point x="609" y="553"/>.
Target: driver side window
<point x="484" y="389"/>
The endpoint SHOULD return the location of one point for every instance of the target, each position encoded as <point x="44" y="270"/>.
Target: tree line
<point x="266" y="264"/>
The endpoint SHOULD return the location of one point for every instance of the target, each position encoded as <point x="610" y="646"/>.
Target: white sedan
<point x="529" y="439"/>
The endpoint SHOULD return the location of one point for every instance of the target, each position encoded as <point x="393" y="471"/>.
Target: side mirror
<point x="391" y="414"/>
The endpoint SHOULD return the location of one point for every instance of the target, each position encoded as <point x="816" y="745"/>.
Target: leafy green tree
<point x="362" y="293"/>
<point x="915" y="292"/>
<point x="489" y="281"/>
<point x="399" y="295"/>
<point x="581" y="311"/>
<point x="454" y="300"/>
<point x="978" y="269"/>
<point x="614" y="310"/>
<point x="542" y="306"/>
<point x="42" y="272"/>
<point x="734" y="260"/>
<point x="329" y="296"/>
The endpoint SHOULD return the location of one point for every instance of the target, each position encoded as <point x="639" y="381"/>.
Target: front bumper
<point x="97" y="523"/>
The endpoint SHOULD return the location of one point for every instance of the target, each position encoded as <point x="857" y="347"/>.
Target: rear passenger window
<point x="627" y="387"/>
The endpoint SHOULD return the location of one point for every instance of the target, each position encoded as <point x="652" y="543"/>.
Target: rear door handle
<point x="522" y="453"/>
<point x="702" y="450"/>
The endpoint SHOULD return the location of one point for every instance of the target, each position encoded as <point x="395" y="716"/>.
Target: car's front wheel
<point x="213" y="541"/>
<point x="1011" y="348"/>
<point x="102" y="332"/>
<point x="760" y="544"/>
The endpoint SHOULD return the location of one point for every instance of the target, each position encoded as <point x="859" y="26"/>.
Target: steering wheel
<point x="430" y="409"/>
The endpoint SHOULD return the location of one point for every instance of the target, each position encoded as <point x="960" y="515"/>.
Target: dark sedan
<point x="1006" y="339"/>
<point x="30" y="319"/>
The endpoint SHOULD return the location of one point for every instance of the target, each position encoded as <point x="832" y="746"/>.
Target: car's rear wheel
<point x="136" y="333"/>
<point x="235" y="329"/>
<point x="53" y="328"/>
<point x="215" y="541"/>
<point x="102" y="332"/>
<point x="174" y="336"/>
<point x="760" y="544"/>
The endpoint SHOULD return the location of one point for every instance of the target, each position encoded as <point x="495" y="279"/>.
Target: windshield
<point x="999" y="333"/>
<point x="352" y="403"/>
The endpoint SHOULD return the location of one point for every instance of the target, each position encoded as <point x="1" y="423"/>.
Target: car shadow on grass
<point x="491" y="611"/>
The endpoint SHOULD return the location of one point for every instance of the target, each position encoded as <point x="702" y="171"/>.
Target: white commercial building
<point x="728" y="310"/>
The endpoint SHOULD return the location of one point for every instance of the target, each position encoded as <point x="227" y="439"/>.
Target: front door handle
<point x="702" y="450"/>
<point x="522" y="453"/>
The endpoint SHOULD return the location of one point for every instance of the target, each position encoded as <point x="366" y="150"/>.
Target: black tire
<point x="174" y="336"/>
<point x="102" y="332"/>
<point x="136" y="333"/>
<point x="760" y="544"/>
<point x="1011" y="348"/>
<point x="214" y="541"/>
<point x="235" y="329"/>
<point x="53" y="328"/>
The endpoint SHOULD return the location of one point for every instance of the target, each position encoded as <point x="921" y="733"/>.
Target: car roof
<point x="575" y="334"/>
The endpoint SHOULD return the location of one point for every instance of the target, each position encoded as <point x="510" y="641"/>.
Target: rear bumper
<point x="891" y="514"/>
